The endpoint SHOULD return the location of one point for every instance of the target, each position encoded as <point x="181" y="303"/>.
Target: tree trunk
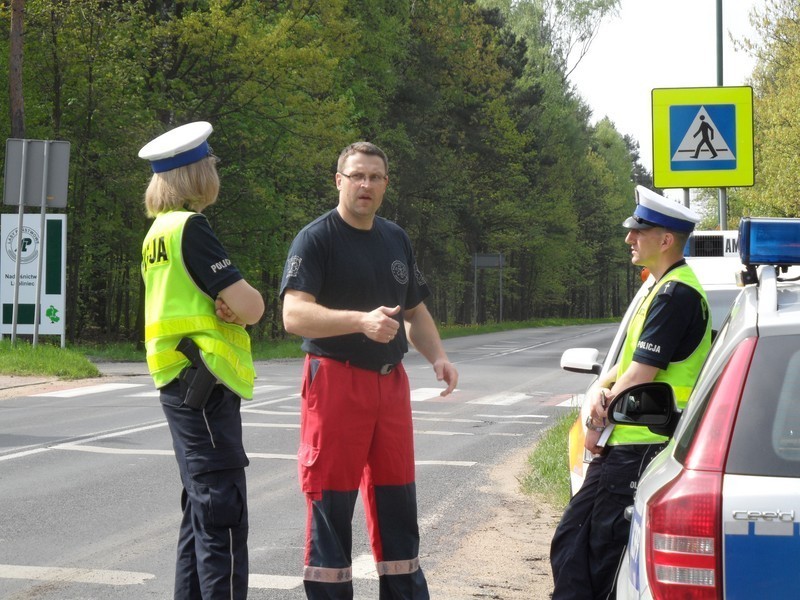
<point x="16" y="100"/>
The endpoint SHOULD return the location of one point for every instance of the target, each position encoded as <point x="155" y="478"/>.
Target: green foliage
<point x="776" y="131"/>
<point x="490" y="149"/>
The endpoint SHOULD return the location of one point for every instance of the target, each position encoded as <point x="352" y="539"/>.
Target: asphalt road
<point x="89" y="488"/>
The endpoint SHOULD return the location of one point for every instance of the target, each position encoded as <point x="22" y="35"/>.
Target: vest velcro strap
<point x="328" y="575"/>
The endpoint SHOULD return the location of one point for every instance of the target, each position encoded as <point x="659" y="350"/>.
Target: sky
<point x="660" y="44"/>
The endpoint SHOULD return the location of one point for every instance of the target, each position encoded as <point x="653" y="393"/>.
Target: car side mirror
<point x="581" y="360"/>
<point x="650" y="405"/>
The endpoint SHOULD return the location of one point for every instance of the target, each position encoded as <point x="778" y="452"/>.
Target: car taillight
<point x="684" y="537"/>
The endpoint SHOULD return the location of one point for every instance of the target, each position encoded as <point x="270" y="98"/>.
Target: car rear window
<point x="766" y="437"/>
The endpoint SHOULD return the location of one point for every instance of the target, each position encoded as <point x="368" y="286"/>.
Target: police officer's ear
<point x="669" y="240"/>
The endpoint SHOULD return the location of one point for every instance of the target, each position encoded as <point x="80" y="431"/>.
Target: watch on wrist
<point x="590" y="425"/>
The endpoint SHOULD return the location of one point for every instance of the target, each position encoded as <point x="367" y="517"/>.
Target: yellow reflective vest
<point x="175" y="307"/>
<point x="681" y="375"/>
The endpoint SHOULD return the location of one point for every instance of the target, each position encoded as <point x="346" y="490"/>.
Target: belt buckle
<point x="386" y="369"/>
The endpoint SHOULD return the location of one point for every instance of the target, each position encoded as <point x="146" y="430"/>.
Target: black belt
<point x="384" y="369"/>
<point x="380" y="369"/>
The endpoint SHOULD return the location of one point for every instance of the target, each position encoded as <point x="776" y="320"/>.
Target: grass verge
<point x="44" y="359"/>
<point x="548" y="467"/>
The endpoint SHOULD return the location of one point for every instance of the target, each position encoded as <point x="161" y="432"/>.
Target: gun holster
<point x="197" y="380"/>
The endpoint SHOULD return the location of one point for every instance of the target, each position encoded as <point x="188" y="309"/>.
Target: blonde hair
<point x="194" y="186"/>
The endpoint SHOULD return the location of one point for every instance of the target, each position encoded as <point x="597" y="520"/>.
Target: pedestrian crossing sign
<point x="703" y="137"/>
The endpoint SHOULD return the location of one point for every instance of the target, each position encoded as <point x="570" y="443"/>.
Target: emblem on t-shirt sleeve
<point x="419" y="276"/>
<point x="293" y="266"/>
<point x="400" y="272"/>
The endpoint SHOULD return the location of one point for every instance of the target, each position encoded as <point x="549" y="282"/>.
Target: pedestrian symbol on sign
<point x="699" y="137"/>
<point x="706" y="132"/>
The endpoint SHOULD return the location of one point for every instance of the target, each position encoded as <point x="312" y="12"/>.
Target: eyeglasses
<point x="360" y="178"/>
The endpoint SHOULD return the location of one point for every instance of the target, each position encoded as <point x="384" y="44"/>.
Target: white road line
<point x="273" y="582"/>
<point x="250" y="404"/>
<point x="150" y="394"/>
<point x="270" y="388"/>
<point x="422" y="394"/>
<point x="23" y="453"/>
<point x="257" y="411"/>
<point x="120" y="578"/>
<point x="501" y="399"/>
<point x="513" y="416"/>
<point x="423" y="432"/>
<point x="101" y="576"/>
<point x="273" y="425"/>
<point x="574" y="401"/>
<point x="272" y="456"/>
<point x="446" y="463"/>
<point x="263" y="455"/>
<point x="105" y="436"/>
<point x="106" y="450"/>
<point x="92" y="389"/>
<point x="94" y="438"/>
<point x="438" y="420"/>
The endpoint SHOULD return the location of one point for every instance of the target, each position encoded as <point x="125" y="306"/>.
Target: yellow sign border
<point x="744" y="173"/>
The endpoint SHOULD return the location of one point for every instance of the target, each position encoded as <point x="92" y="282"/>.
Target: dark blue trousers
<point x="590" y="538"/>
<point x="212" y="544"/>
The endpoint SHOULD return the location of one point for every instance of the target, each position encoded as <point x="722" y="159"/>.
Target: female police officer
<point x="199" y="361"/>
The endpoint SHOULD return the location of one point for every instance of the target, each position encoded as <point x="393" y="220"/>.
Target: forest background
<point x="491" y="148"/>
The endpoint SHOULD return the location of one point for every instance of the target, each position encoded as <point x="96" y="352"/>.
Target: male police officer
<point x="199" y="357"/>
<point x="667" y="340"/>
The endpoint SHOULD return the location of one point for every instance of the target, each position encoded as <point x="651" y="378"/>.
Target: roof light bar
<point x="769" y="241"/>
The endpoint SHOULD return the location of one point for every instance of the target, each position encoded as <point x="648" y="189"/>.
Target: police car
<point x="714" y="257"/>
<point x="717" y="514"/>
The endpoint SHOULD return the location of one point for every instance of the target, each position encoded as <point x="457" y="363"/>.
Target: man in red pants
<point x="352" y="290"/>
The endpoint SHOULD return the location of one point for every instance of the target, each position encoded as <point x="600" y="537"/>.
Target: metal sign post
<point x="18" y="261"/>
<point x="36" y="174"/>
<point x="486" y="261"/>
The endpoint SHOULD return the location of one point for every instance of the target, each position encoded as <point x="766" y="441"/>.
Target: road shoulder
<point x="507" y="555"/>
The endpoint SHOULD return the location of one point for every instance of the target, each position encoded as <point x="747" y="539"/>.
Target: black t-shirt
<point x="346" y="268"/>
<point x="205" y="258"/>
<point x="674" y="326"/>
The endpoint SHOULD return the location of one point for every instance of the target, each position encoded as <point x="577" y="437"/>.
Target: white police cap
<point x="653" y="210"/>
<point x="178" y="147"/>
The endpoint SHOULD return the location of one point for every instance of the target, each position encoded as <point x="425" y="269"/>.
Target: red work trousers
<point x="356" y="433"/>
